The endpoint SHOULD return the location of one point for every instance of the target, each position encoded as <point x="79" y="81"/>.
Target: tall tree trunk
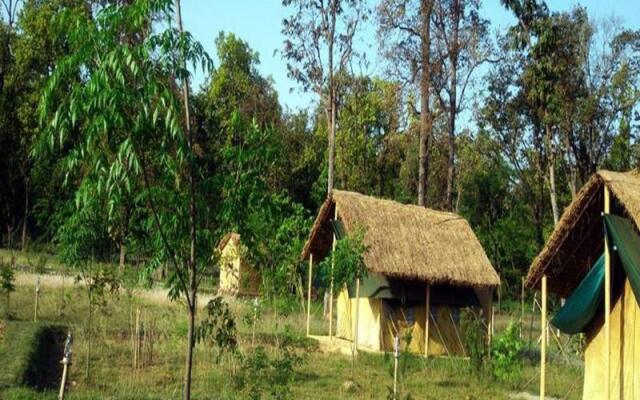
<point x="332" y="101"/>
<point x="123" y="255"/>
<point x="425" y="98"/>
<point x="552" y="193"/>
<point x="552" y="176"/>
<point x="453" y="106"/>
<point x="26" y="215"/>
<point x="331" y="142"/>
<point x="192" y="269"/>
<point x="573" y="173"/>
<point x="191" y="308"/>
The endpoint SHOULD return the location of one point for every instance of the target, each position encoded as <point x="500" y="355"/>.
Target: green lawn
<point x="321" y="376"/>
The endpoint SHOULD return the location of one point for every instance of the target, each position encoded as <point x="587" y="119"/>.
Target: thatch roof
<point x="578" y="238"/>
<point x="228" y="237"/>
<point x="406" y="241"/>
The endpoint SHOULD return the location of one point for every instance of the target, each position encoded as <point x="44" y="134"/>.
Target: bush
<point x="506" y="351"/>
<point x="264" y="376"/>
<point x="475" y="339"/>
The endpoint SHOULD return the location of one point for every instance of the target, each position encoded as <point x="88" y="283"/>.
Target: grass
<point x="30" y="354"/>
<point x="108" y="347"/>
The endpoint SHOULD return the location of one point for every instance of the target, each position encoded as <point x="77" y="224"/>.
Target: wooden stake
<point x="490" y="321"/>
<point x="543" y="343"/>
<point x="607" y="302"/>
<point x="396" y="355"/>
<point x="35" y="309"/>
<point x="333" y="261"/>
<point x="136" y="346"/>
<point x="426" y="324"/>
<point x="522" y="309"/>
<point x="357" y="325"/>
<point x="66" y="361"/>
<point x="309" y="292"/>
<point x="143" y="340"/>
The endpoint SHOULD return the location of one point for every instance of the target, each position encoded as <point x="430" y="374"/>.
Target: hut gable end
<point x="578" y="239"/>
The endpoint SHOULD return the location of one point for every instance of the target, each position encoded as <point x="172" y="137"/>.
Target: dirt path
<point x="155" y="295"/>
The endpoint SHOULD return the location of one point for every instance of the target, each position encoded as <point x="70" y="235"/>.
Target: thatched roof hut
<point x="576" y="264"/>
<point x="578" y="239"/>
<point x="237" y="276"/>
<point x="406" y="241"/>
<point x="420" y="263"/>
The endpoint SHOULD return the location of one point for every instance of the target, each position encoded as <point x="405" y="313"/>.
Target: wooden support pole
<point x="543" y="340"/>
<point x="309" y="292"/>
<point x="607" y="303"/>
<point x="333" y="261"/>
<point x="427" y="319"/>
<point x="357" y="324"/>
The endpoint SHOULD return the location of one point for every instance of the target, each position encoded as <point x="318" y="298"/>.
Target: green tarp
<point x="627" y="243"/>
<point x="581" y="307"/>
<point x="588" y="297"/>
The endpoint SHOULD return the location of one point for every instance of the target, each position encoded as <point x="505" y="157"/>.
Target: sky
<point x="258" y="22"/>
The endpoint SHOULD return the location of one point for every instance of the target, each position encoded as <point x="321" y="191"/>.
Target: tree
<point x="461" y="46"/>
<point x="370" y="114"/>
<point x="237" y="86"/>
<point x="122" y="99"/>
<point x="574" y="97"/>
<point x="405" y="34"/>
<point x="318" y="47"/>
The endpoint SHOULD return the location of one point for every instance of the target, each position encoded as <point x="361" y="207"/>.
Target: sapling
<point x="218" y="328"/>
<point x="7" y="285"/>
<point x="348" y="268"/>
<point x="251" y="318"/>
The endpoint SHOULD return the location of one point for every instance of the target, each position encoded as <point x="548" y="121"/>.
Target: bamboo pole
<point x="356" y="327"/>
<point x="309" y="292"/>
<point x="543" y="344"/>
<point x="607" y="302"/>
<point x="333" y="261"/>
<point x="426" y="324"/>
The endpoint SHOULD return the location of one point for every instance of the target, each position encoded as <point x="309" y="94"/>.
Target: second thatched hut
<point x="417" y="259"/>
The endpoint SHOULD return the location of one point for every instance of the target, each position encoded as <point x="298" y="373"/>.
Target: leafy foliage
<point x="218" y="328"/>
<point x="265" y="376"/>
<point x="348" y="260"/>
<point x="506" y="360"/>
<point x="7" y="279"/>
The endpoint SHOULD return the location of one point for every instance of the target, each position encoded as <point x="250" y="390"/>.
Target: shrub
<point x="506" y="362"/>
<point x="475" y="334"/>
<point x="7" y="285"/>
<point x="264" y="376"/>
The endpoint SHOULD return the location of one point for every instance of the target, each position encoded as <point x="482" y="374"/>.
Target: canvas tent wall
<point x="410" y="248"/>
<point x="237" y="277"/>
<point x="571" y="261"/>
